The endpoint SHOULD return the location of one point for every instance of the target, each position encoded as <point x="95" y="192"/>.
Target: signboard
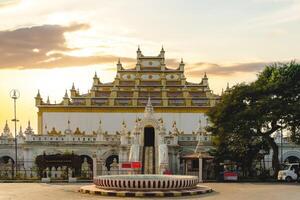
<point x="230" y="176"/>
<point x="131" y="165"/>
<point x="126" y="165"/>
<point x="136" y="165"/>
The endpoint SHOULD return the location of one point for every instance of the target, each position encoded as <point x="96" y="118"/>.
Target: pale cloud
<point x="5" y="3"/>
<point x="199" y="69"/>
<point x="288" y="13"/>
<point x="45" y="47"/>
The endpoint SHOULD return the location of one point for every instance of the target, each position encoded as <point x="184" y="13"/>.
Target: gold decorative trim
<point x="125" y="109"/>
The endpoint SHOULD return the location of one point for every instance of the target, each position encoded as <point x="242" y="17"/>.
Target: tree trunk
<point x="275" y="160"/>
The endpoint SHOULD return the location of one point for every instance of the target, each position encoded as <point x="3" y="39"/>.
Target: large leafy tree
<point x="255" y="111"/>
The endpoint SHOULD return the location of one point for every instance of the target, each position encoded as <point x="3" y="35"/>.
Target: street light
<point x="15" y="94"/>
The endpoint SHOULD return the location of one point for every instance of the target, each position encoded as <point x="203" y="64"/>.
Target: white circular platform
<point x="146" y="182"/>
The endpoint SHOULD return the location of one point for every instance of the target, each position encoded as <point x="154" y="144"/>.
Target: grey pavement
<point x="224" y="191"/>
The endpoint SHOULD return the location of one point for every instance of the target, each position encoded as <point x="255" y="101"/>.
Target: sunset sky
<point x="48" y="45"/>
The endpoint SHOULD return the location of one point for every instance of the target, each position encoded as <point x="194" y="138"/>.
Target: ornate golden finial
<point x="205" y="76"/>
<point x="162" y="48"/>
<point x="48" y="100"/>
<point x="181" y="62"/>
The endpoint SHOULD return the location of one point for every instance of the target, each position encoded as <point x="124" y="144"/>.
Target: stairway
<point x="148" y="160"/>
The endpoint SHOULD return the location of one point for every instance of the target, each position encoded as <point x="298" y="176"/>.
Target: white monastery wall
<point x="111" y="122"/>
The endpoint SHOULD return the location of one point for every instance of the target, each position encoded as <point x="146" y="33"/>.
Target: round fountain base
<point x="153" y="185"/>
<point x="92" y="189"/>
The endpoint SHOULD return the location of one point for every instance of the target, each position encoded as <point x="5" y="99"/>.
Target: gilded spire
<point x="227" y="87"/>
<point x="205" y="76"/>
<point x="38" y="94"/>
<point x="66" y="95"/>
<point x="48" y="100"/>
<point x="95" y="76"/>
<point x="73" y="86"/>
<point x="181" y="62"/>
<point x="162" y="48"/>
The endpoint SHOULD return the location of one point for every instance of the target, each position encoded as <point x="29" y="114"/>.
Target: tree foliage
<point x="249" y="114"/>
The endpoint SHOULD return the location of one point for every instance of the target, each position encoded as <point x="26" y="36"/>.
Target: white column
<point x="94" y="166"/>
<point x="200" y="170"/>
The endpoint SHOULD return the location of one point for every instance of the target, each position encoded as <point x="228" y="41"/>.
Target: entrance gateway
<point x="148" y="160"/>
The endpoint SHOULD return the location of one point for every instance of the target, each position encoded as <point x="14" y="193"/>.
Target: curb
<point x="100" y="192"/>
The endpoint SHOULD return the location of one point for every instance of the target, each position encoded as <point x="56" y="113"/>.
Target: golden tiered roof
<point x="132" y="86"/>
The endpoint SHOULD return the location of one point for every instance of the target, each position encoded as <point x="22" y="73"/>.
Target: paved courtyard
<point x="224" y="191"/>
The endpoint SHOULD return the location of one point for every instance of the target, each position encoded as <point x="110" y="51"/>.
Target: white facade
<point x="111" y="122"/>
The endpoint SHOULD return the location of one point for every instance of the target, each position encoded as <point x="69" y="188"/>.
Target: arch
<point x="292" y="159"/>
<point x="6" y="159"/>
<point x="290" y="154"/>
<point x="109" y="160"/>
<point x="86" y="171"/>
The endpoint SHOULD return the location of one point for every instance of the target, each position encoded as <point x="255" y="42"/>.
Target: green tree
<point x="249" y="114"/>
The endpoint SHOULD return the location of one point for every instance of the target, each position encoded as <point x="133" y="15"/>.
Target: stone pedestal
<point x="200" y="170"/>
<point x="46" y="180"/>
<point x="72" y="180"/>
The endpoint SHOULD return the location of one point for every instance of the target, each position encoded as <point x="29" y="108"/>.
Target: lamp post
<point x="281" y="136"/>
<point x="15" y="94"/>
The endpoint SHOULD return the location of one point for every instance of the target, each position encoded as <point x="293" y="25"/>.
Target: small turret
<point x="73" y="91"/>
<point x="119" y="65"/>
<point x="96" y="79"/>
<point x="227" y="89"/>
<point x="38" y="99"/>
<point x="29" y="130"/>
<point x="162" y="52"/>
<point x="139" y="52"/>
<point x="66" y="99"/>
<point x="6" y="131"/>
<point x="205" y="80"/>
<point x="181" y="65"/>
<point x="21" y="132"/>
<point x="48" y="100"/>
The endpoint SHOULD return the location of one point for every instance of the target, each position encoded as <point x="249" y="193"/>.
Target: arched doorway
<point x="148" y="166"/>
<point x="292" y="159"/>
<point x="86" y="171"/>
<point x="149" y="136"/>
<point x="6" y="167"/>
<point x="111" y="164"/>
